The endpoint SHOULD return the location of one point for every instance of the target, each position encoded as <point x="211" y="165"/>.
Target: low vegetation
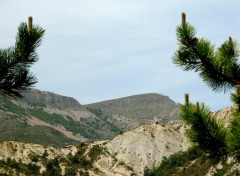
<point x="194" y="162"/>
<point x="71" y="165"/>
<point x="10" y="166"/>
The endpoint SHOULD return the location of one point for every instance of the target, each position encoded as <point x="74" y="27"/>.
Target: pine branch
<point x="205" y="130"/>
<point x="219" y="69"/>
<point x="15" y="61"/>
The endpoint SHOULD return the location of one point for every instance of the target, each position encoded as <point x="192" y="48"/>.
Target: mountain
<point x="130" y="112"/>
<point x="131" y="153"/>
<point x="47" y="118"/>
<point x="50" y="119"/>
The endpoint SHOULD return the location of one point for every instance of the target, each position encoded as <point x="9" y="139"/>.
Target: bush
<point x="53" y="168"/>
<point x="171" y="163"/>
<point x="95" y="152"/>
<point x="34" y="157"/>
<point x="26" y="169"/>
<point x="70" y="171"/>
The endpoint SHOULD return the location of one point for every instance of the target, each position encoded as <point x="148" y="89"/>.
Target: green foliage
<point x="219" y="68"/>
<point x="95" y="152"/>
<point x="80" y="160"/>
<point x="7" y="105"/>
<point x="171" y="164"/>
<point x="45" y="154"/>
<point x="209" y="134"/>
<point x="90" y="131"/>
<point x="14" y="125"/>
<point x="33" y="157"/>
<point x="36" y="134"/>
<point x="97" y="112"/>
<point x="70" y="171"/>
<point x="192" y="162"/>
<point x="224" y="170"/>
<point x="234" y="136"/>
<point x="235" y="98"/>
<point x="15" y="61"/>
<point x="54" y="119"/>
<point x="52" y="168"/>
<point x="26" y="169"/>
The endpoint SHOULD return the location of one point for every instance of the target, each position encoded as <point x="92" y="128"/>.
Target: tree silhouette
<point x="219" y="68"/>
<point x="15" y="61"/>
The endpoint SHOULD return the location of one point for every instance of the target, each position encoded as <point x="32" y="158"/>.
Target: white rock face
<point x="225" y="115"/>
<point x="143" y="147"/>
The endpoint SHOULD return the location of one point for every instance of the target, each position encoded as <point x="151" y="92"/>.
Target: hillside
<point x="40" y="117"/>
<point x="133" y="153"/>
<point x="133" y="111"/>
<point x="50" y="119"/>
<point x="127" y="154"/>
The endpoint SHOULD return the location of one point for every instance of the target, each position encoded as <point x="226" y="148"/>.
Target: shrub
<point x="95" y="152"/>
<point x="34" y="157"/>
<point x="178" y="159"/>
<point x="70" y="171"/>
<point x="52" y="168"/>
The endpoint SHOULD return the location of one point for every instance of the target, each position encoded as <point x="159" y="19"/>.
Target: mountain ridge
<point x="125" y="97"/>
<point x="41" y="113"/>
<point x="45" y="97"/>
<point x="147" y="108"/>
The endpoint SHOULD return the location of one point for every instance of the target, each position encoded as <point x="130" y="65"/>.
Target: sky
<point x="96" y="50"/>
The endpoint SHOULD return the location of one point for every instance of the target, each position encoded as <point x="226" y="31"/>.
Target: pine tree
<point x="219" y="68"/>
<point x="15" y="61"/>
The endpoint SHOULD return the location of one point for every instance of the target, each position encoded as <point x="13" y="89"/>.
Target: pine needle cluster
<point x="205" y="131"/>
<point x="208" y="133"/>
<point x="16" y="60"/>
<point x="219" y="68"/>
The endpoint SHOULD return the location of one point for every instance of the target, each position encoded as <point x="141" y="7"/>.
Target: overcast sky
<point x="95" y="50"/>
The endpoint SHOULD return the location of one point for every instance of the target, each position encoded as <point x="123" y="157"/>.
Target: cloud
<point x="95" y="50"/>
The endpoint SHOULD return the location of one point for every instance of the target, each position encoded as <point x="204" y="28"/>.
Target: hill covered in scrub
<point x="149" y="150"/>
<point x="46" y="118"/>
<point x="146" y="108"/>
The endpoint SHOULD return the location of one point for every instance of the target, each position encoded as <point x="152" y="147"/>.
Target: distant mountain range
<point x="46" y="118"/>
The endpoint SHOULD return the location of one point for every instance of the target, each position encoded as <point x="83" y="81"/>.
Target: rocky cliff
<point x="35" y="96"/>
